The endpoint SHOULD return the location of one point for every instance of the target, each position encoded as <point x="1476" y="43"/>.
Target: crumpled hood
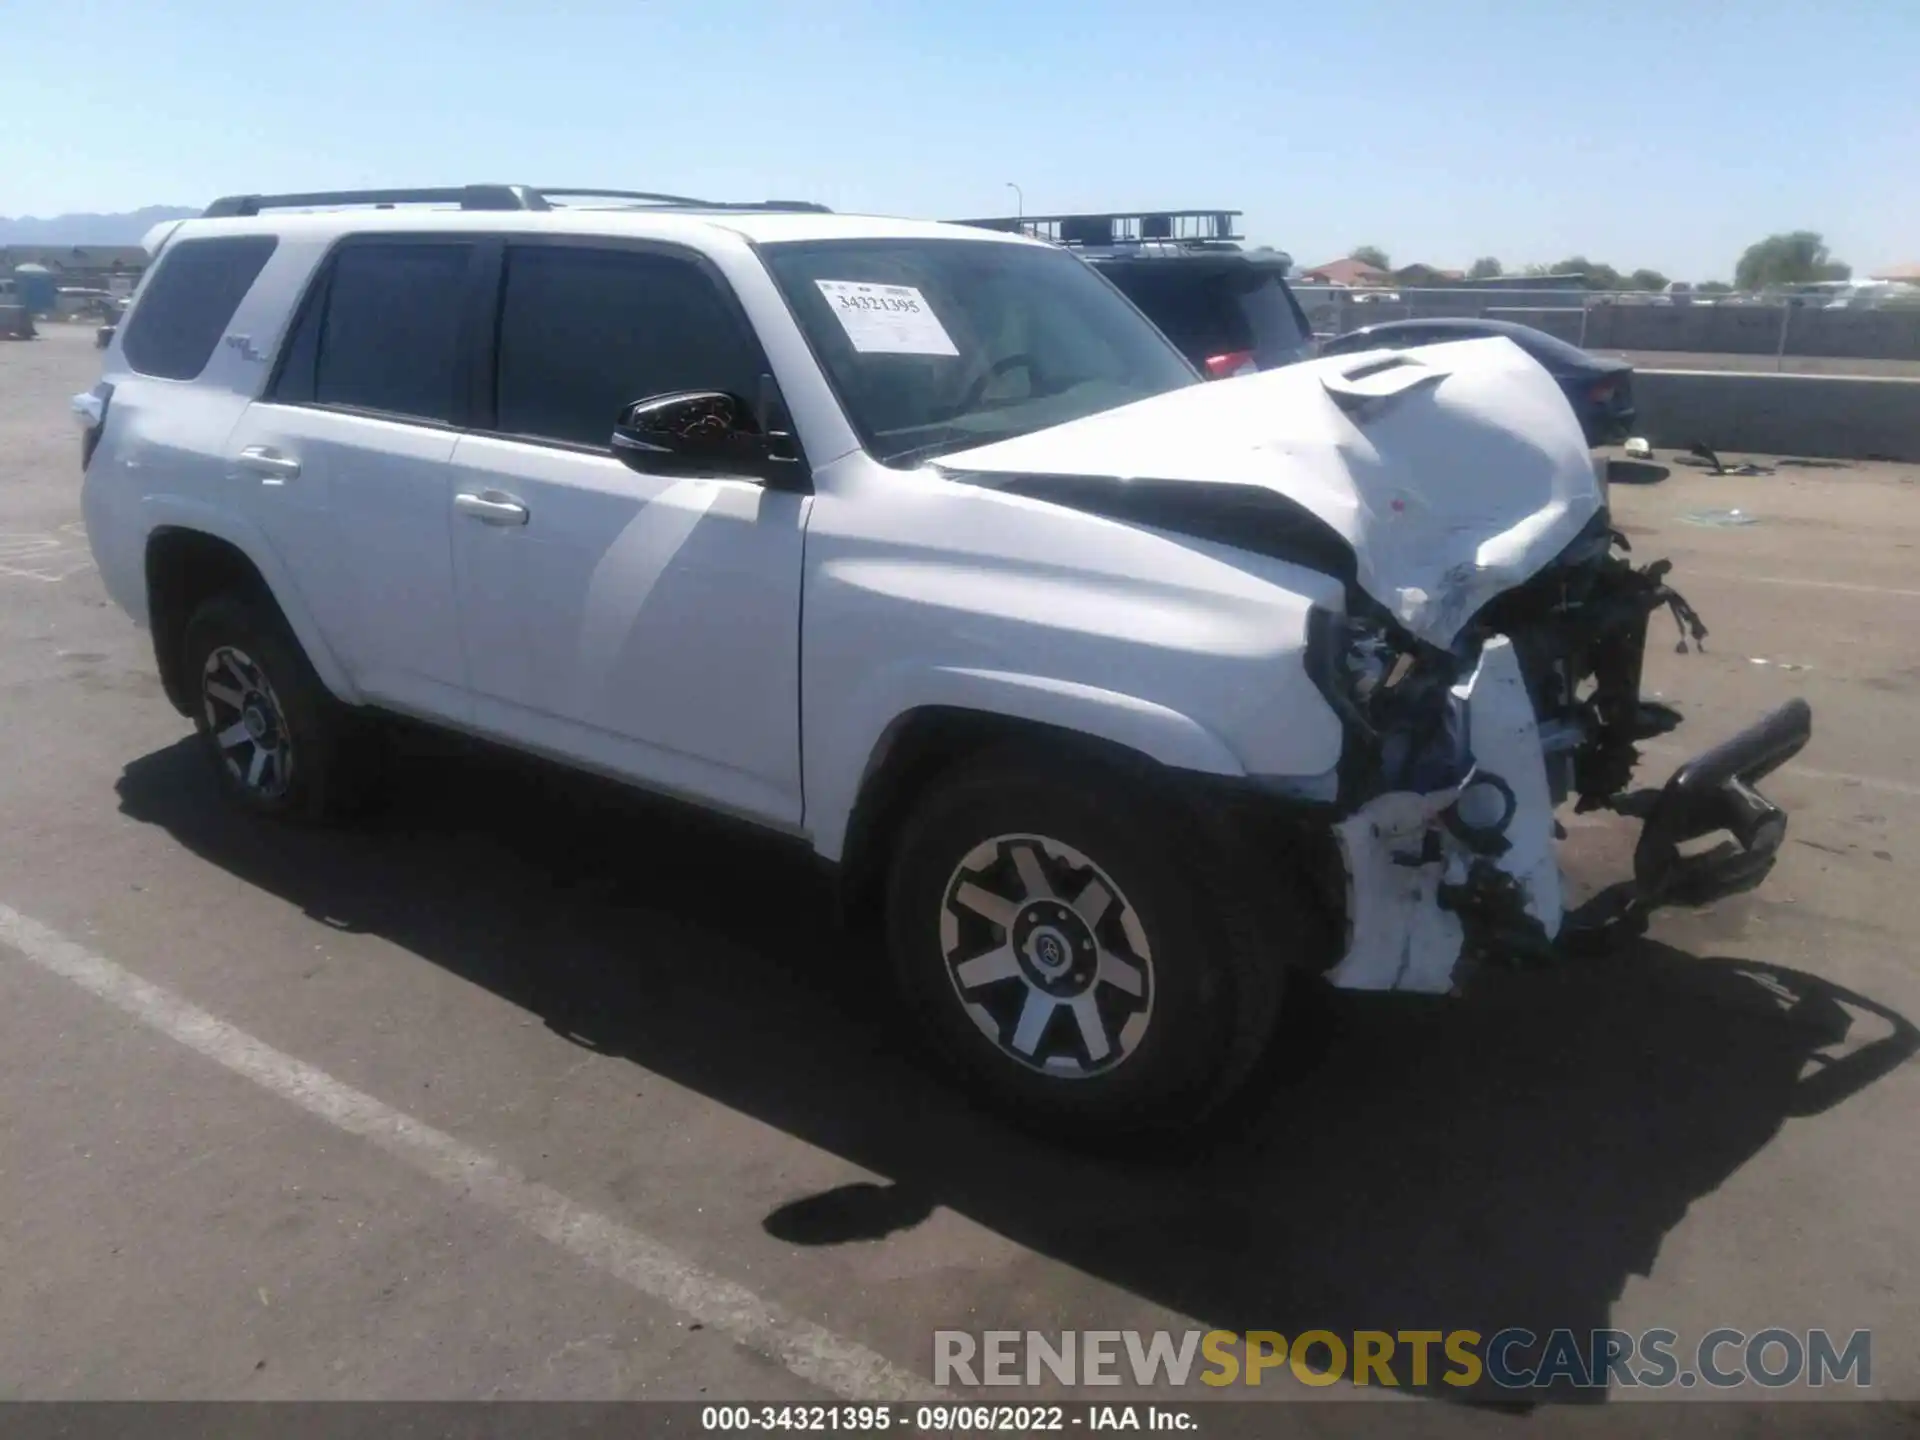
<point x="1454" y="471"/>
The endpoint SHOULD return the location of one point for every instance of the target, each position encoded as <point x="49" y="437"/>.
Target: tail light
<point x="1230" y="364"/>
<point x="90" y="409"/>
<point x="1602" y="392"/>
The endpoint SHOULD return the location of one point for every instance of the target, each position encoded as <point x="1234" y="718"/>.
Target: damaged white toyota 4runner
<point x="1117" y="695"/>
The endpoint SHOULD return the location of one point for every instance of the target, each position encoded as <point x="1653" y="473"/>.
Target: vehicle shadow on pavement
<point x="1505" y="1160"/>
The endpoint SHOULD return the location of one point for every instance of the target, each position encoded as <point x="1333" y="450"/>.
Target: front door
<point x="641" y="625"/>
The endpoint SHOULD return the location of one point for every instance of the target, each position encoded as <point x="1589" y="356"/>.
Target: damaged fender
<point x="1412" y="858"/>
<point x="1468" y="869"/>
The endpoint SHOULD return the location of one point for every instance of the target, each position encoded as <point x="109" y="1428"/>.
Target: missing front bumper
<point x="1421" y="907"/>
<point x="1714" y="793"/>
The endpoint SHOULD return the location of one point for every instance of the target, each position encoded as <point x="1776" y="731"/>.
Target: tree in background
<point x="1797" y="258"/>
<point x="1485" y="268"/>
<point x="1714" y="287"/>
<point x="1593" y="275"/>
<point x="1370" y="255"/>
<point x="1646" y="280"/>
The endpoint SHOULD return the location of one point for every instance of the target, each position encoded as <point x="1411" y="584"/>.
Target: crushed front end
<point x="1457" y="760"/>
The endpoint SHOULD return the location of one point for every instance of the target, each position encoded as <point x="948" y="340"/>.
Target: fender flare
<point x="849" y="757"/>
<point x="177" y="512"/>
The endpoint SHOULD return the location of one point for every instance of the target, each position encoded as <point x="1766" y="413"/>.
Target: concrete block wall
<point x="1891" y="334"/>
<point x="1839" y="417"/>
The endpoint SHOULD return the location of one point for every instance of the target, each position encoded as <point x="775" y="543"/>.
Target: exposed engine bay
<point x="1457" y="760"/>
<point x="1485" y="663"/>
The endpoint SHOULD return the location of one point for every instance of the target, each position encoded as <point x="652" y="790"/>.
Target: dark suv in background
<point x="1228" y="308"/>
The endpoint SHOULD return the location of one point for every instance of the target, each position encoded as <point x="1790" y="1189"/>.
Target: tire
<point x="280" y="744"/>
<point x="1143" y="1022"/>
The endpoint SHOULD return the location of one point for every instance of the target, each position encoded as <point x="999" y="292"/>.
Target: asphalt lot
<point x="599" y="1105"/>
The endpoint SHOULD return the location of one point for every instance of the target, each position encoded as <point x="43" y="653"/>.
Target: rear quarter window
<point x="188" y="302"/>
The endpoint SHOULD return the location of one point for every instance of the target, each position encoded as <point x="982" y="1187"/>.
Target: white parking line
<point x="1805" y="584"/>
<point x="813" y="1353"/>
<point x="47" y="556"/>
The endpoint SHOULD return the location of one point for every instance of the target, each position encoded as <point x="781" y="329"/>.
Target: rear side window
<point x="188" y="302"/>
<point x="585" y="333"/>
<point x="385" y="333"/>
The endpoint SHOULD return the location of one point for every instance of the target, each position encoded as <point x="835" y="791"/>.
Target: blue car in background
<point x="1599" y="389"/>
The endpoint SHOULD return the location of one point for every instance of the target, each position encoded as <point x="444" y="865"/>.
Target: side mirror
<point x="702" y="432"/>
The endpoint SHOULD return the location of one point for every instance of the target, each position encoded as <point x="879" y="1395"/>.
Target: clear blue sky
<point x="1667" y="133"/>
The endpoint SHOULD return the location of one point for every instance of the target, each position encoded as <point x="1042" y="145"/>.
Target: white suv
<point x="1117" y="695"/>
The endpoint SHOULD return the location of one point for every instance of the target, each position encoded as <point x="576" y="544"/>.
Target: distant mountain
<point x="125" y="229"/>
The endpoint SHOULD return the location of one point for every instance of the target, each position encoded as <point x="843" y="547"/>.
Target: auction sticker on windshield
<point x="887" y="319"/>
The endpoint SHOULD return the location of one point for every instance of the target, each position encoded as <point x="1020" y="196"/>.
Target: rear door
<point x="343" y="464"/>
<point x="639" y="624"/>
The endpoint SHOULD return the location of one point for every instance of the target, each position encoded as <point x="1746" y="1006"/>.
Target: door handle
<point x="491" y="507"/>
<point x="271" y="466"/>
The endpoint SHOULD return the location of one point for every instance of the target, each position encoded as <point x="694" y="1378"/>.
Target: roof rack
<point x="548" y="192"/>
<point x="483" y="197"/>
<point x="1122" y="227"/>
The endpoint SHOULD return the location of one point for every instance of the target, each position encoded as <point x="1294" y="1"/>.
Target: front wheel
<point x="1057" y="931"/>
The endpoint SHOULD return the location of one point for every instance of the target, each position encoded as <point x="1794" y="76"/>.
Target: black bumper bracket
<point x="1713" y="792"/>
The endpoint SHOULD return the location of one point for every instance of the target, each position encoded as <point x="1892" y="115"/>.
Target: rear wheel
<point x="279" y="742"/>
<point x="1057" y="930"/>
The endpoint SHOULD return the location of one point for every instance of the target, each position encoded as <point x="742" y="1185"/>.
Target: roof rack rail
<point x="467" y="197"/>
<point x="480" y="197"/>
<point x="1121" y="227"/>
<point x="585" y="192"/>
<point x="548" y="192"/>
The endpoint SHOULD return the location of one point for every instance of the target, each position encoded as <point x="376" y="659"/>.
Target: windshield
<point x="939" y="345"/>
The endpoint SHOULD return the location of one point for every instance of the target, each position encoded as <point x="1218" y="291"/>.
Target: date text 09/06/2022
<point x="945" y="1419"/>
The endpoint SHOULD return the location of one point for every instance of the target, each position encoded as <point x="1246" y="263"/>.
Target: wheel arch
<point x="962" y="714"/>
<point x="192" y="558"/>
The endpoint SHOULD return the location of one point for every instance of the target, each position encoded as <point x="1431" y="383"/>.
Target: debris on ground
<point x="1638" y="449"/>
<point x="1702" y="456"/>
<point x="1720" y="518"/>
<point x="1635" y="472"/>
